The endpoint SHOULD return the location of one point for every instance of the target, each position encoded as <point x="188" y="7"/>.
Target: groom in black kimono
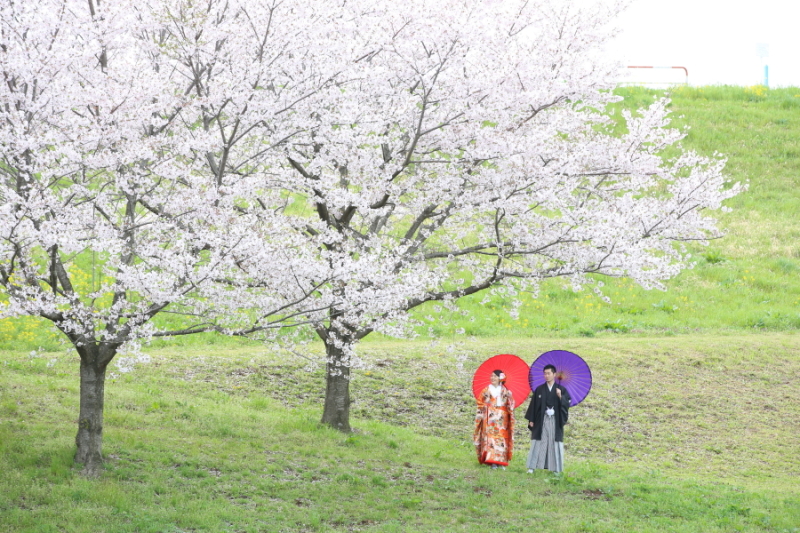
<point x="547" y="414"/>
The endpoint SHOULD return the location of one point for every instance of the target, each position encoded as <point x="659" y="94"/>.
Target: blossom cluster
<point x="252" y="165"/>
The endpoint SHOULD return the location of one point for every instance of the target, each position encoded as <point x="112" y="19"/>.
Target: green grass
<point x="685" y="433"/>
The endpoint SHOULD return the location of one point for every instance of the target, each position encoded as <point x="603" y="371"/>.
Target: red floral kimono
<point x="494" y="428"/>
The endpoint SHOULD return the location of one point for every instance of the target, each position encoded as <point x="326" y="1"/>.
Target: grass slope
<point x="681" y="433"/>
<point x="748" y="280"/>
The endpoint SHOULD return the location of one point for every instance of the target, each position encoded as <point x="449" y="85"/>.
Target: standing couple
<point x="546" y="415"/>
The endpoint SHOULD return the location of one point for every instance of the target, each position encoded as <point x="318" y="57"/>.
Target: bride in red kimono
<point x="494" y="423"/>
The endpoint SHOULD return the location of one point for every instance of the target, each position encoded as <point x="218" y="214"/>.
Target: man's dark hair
<point x="551" y="367"/>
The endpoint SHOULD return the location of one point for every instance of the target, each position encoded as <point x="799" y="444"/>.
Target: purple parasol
<point x="571" y="372"/>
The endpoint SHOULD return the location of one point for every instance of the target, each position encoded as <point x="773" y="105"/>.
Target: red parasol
<point x="516" y="371"/>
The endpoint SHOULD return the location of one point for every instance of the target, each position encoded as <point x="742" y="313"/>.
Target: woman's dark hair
<point x="497" y="373"/>
<point x="551" y="367"/>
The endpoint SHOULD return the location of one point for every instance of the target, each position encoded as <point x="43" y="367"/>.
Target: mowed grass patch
<point x="678" y="434"/>
<point x="682" y="404"/>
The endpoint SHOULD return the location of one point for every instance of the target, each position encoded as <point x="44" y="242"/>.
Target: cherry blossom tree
<point x="471" y="148"/>
<point x="132" y="135"/>
<point x="255" y="164"/>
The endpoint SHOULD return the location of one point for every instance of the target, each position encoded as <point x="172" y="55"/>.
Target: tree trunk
<point x="337" y="389"/>
<point x="90" y="422"/>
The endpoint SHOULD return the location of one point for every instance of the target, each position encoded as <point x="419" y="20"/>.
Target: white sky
<point x="715" y="40"/>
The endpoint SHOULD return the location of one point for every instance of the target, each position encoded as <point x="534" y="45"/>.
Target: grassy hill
<point x="692" y="424"/>
<point x="748" y="280"/>
<point x="689" y="433"/>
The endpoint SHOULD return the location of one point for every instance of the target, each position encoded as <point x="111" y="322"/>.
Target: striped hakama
<point x="547" y="453"/>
